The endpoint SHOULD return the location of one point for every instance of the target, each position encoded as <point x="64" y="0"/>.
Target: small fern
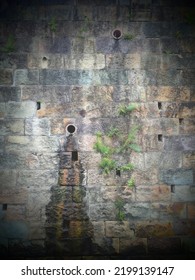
<point x="131" y="183"/>
<point x="107" y="165"/>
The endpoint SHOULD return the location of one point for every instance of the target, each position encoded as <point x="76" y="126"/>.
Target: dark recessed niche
<point x="173" y="188"/>
<point x="160" y="137"/>
<point x="74" y="156"/>
<point x="159" y="105"/>
<point x="117" y="34"/>
<point x="71" y="128"/>
<point x="181" y="121"/>
<point x="38" y="105"/>
<point x="118" y="172"/>
<point x="44" y="58"/>
<point x="4" y="207"/>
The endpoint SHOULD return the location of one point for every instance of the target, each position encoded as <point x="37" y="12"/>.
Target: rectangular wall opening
<point x="160" y="137"/>
<point x="118" y="172"/>
<point x="4" y="207"/>
<point x="74" y="155"/>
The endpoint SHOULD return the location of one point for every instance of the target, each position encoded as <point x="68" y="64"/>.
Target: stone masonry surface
<point x="61" y="66"/>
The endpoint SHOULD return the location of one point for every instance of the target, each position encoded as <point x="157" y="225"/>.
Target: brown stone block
<point x="191" y="210"/>
<point x="133" y="246"/>
<point x="164" y="246"/>
<point x="154" y="229"/>
<point x="168" y="93"/>
<point x="58" y="125"/>
<point x="14" y="196"/>
<point x="163" y="126"/>
<point x="69" y="177"/>
<point x="187" y="126"/>
<point x="147" y="177"/>
<point x="80" y="229"/>
<point x="153" y="193"/>
<point x="177" y="209"/>
<point x="6" y="77"/>
<point x="98" y="229"/>
<point x="189" y="159"/>
<point x="151" y="143"/>
<point x="16" y="212"/>
<point x="119" y="229"/>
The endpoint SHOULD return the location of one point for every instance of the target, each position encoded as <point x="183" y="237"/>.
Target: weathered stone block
<point x="37" y="178"/>
<point x="177" y="176"/>
<point x="10" y="94"/>
<point x="69" y="177"/>
<point x="133" y="246"/>
<point x="117" y="229"/>
<point x="183" y="193"/>
<point x="55" y="45"/>
<point x="13" y="195"/>
<point x="16" y="212"/>
<point x="177" y="209"/>
<point x="2" y="140"/>
<point x="53" y="61"/>
<point x="151" y="143"/>
<point x="98" y="229"/>
<point x="2" y="110"/>
<point x="179" y="143"/>
<point x="165" y="126"/>
<point x="8" y="127"/>
<point x="79" y="229"/>
<point x="153" y="193"/>
<point x="83" y="45"/>
<point x="140" y="210"/>
<point x="78" y="194"/>
<point x="103" y="211"/>
<point x="163" y="160"/>
<point x="26" y="77"/>
<point x="191" y="210"/>
<point x="154" y="229"/>
<point x="146" y="177"/>
<point x="13" y="229"/>
<point x="21" y="110"/>
<point x="186" y="110"/>
<point x="6" y="77"/>
<point x="13" y="61"/>
<point x="37" y="126"/>
<point x="32" y="144"/>
<point x="168" y="93"/>
<point x="7" y="179"/>
<point x="189" y="159"/>
<point x="164" y="246"/>
<point x="187" y="126"/>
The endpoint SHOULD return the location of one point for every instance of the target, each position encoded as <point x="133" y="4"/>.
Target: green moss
<point x="125" y="109"/>
<point x="128" y="37"/>
<point x="107" y="165"/>
<point x="9" y="45"/>
<point x="131" y="183"/>
<point x="53" y="24"/>
<point x="119" y="204"/>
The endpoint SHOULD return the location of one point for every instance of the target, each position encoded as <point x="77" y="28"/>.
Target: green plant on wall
<point x="53" y="24"/>
<point x="126" y="143"/>
<point x="128" y="36"/>
<point x="120" y="211"/>
<point x="9" y="45"/>
<point x="85" y="26"/>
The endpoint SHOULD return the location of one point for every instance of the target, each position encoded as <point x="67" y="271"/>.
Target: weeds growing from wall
<point x="126" y="144"/>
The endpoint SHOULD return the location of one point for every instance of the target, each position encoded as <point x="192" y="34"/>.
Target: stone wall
<point x="60" y="65"/>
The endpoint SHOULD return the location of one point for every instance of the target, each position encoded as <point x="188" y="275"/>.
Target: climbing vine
<point x="124" y="144"/>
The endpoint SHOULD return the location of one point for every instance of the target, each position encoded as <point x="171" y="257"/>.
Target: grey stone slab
<point x="12" y="127"/>
<point x="36" y="126"/>
<point x="56" y="45"/>
<point x="177" y="176"/>
<point x="23" y="109"/>
<point x="179" y="143"/>
<point x="13" y="229"/>
<point x="7" y="179"/>
<point x="6" y="77"/>
<point x="183" y="193"/>
<point x="13" y="60"/>
<point x="10" y="94"/>
<point x="26" y="77"/>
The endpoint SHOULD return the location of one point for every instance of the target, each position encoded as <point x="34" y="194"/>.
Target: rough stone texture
<point x="60" y="66"/>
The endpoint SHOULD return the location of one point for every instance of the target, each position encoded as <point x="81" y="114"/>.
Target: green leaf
<point x="135" y="147"/>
